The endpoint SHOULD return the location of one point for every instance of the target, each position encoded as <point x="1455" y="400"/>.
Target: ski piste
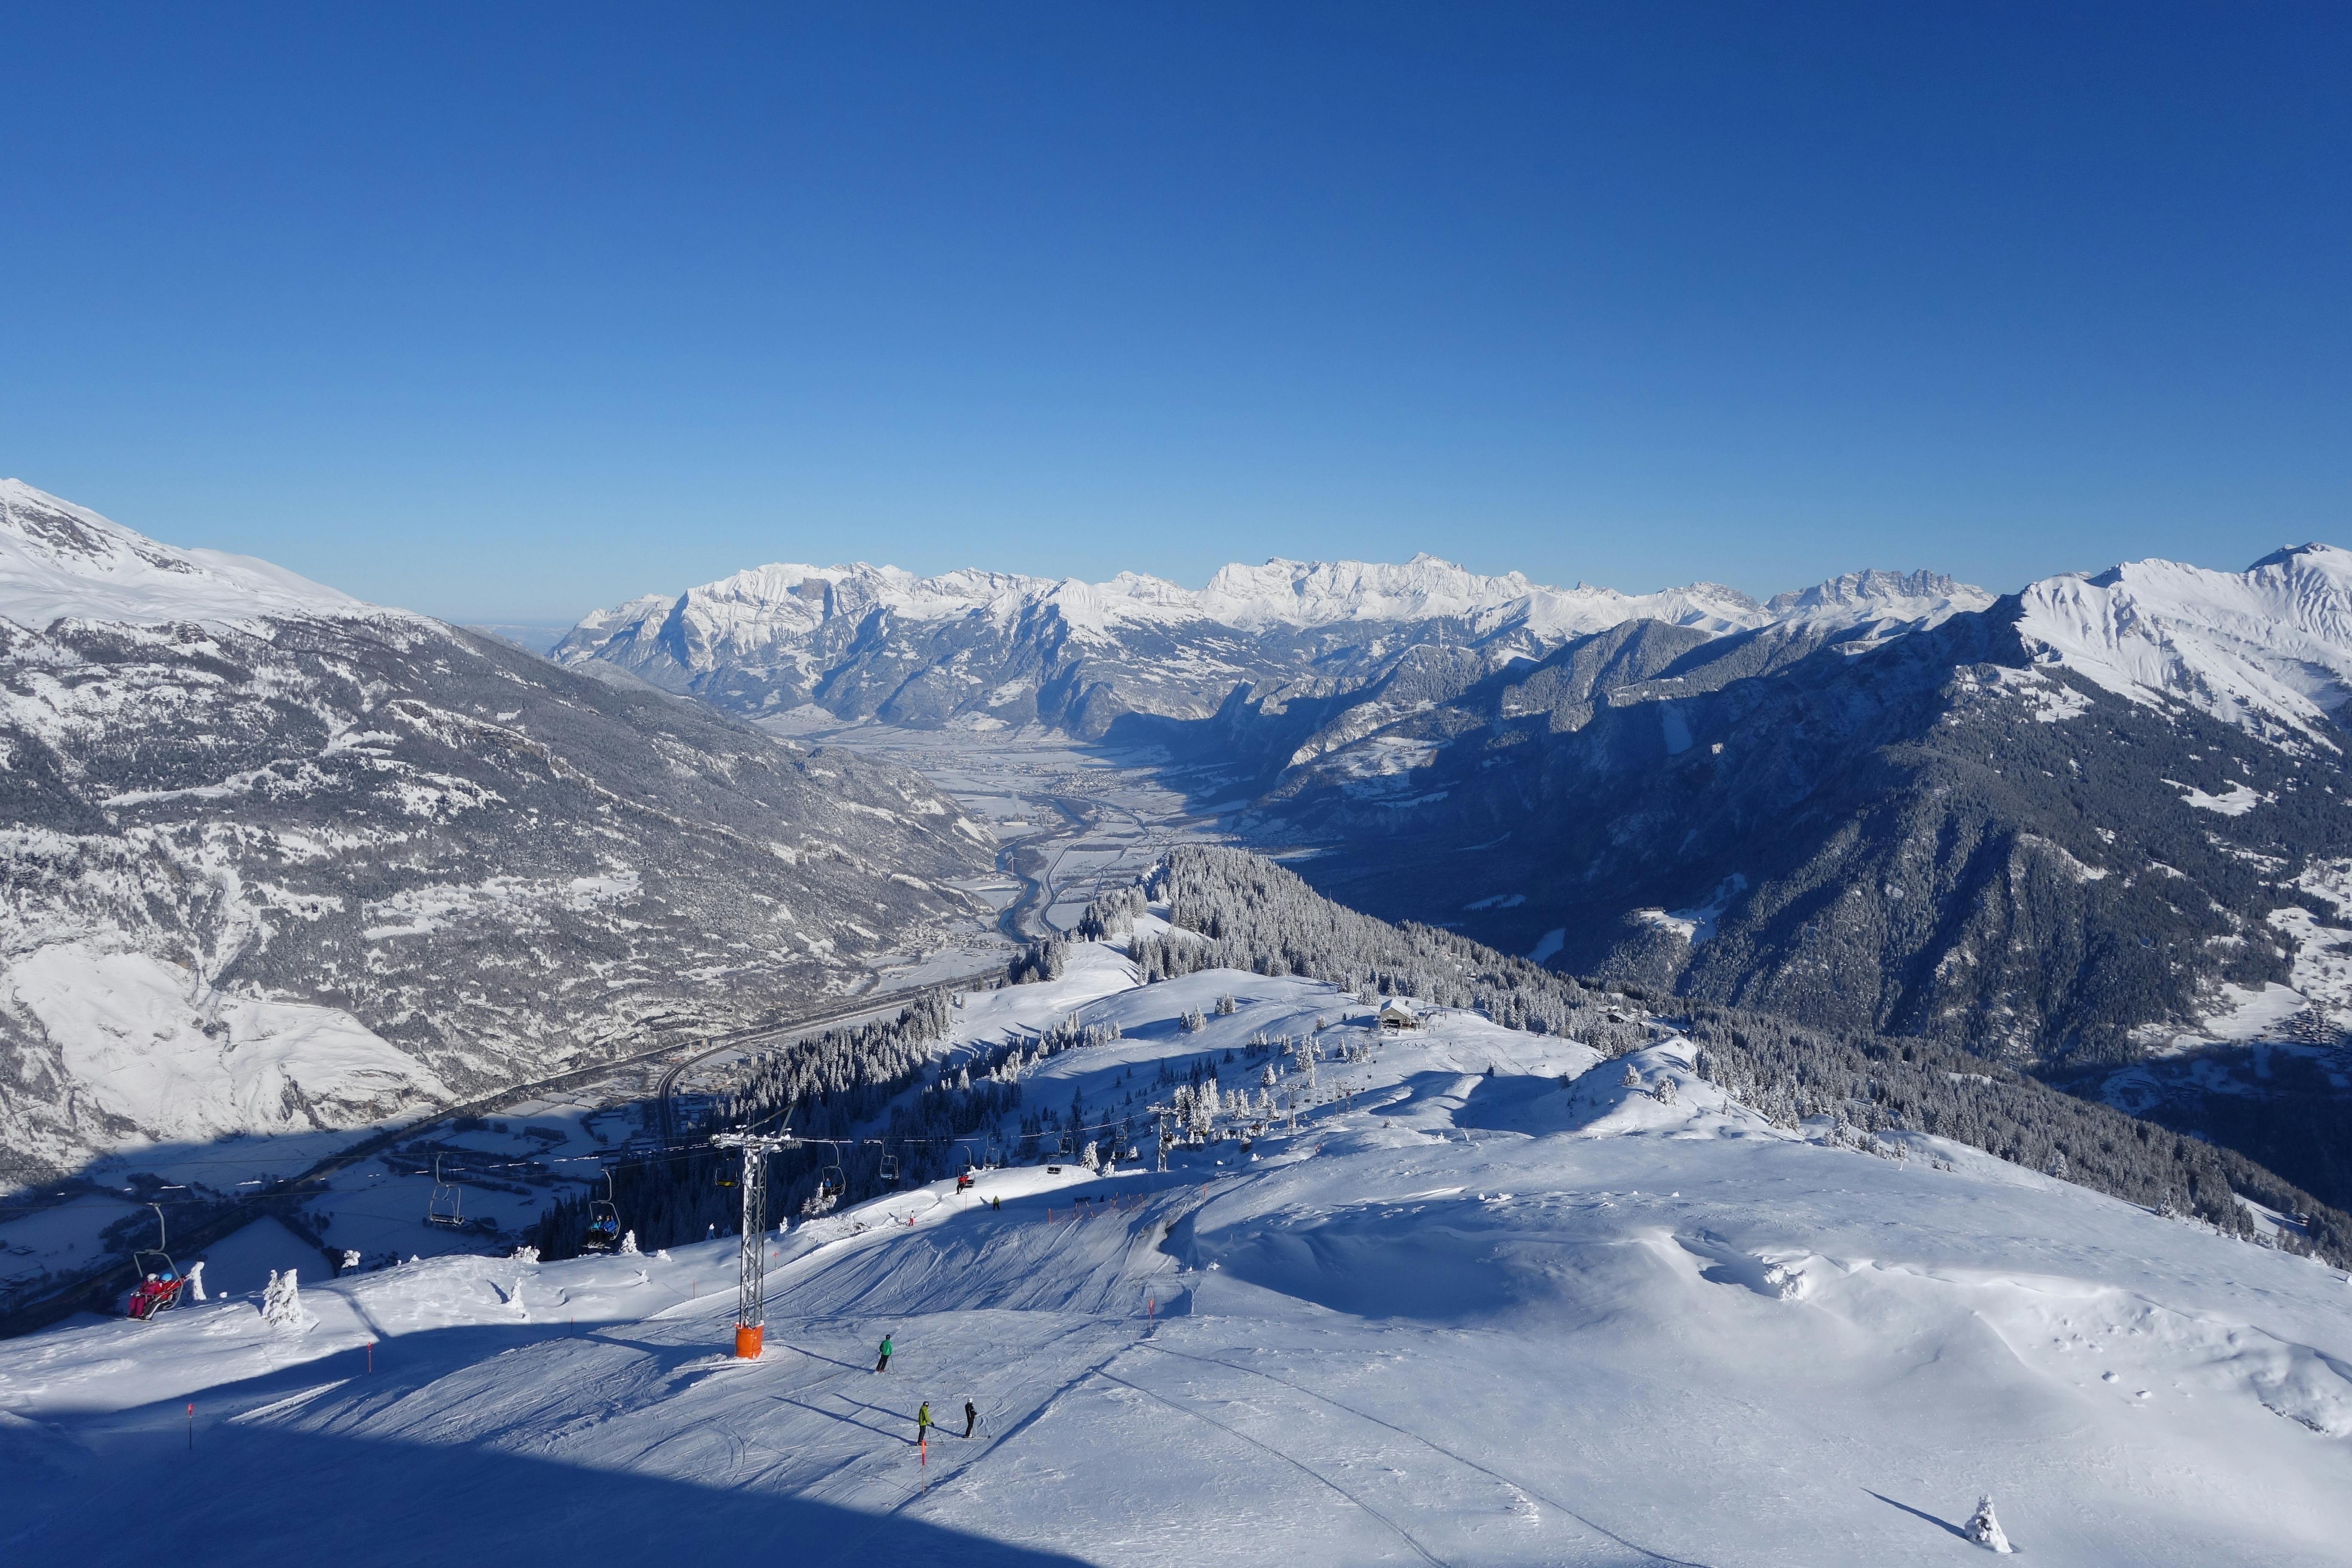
<point x="1536" y="1314"/>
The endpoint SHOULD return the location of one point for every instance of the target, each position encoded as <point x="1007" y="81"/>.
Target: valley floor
<point x="1531" y="1315"/>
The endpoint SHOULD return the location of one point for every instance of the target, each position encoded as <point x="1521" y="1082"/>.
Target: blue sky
<point x="503" y="311"/>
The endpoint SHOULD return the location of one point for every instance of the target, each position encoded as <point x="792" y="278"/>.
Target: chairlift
<point x="830" y="1181"/>
<point x="604" y="1221"/>
<point x="447" y="1204"/>
<point x="159" y="1286"/>
<point x="889" y="1171"/>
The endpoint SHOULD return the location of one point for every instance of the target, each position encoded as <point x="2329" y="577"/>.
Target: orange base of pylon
<point x="747" y="1342"/>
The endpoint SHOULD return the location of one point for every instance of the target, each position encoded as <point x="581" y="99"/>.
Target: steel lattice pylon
<point x="750" y="1301"/>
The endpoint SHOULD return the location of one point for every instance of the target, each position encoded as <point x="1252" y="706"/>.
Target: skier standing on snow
<point x="884" y="1364"/>
<point x="971" y="1416"/>
<point x="923" y="1425"/>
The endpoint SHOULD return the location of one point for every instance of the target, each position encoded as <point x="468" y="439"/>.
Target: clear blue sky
<point x="501" y="312"/>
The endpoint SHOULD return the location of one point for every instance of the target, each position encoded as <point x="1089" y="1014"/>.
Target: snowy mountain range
<point x="986" y="649"/>
<point x="279" y="861"/>
<point x="2085" y="826"/>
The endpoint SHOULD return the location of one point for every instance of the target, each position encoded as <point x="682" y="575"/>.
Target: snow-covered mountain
<point x="58" y="561"/>
<point x="278" y="861"/>
<point x="2100" y="822"/>
<point x="2269" y="649"/>
<point x="1500" y="1298"/>
<point x="987" y="648"/>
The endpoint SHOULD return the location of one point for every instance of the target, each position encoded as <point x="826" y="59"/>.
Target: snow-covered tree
<point x="281" y="1303"/>
<point x="629" y="1244"/>
<point x="196" y="1277"/>
<point x="1089" y="1158"/>
<point x="1632" y="1080"/>
<point x="1985" y="1530"/>
<point x="1665" y="1092"/>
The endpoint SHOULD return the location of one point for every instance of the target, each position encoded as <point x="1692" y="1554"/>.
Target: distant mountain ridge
<point x="996" y="648"/>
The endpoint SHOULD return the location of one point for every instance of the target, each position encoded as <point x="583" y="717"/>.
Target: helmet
<point x="150" y="1279"/>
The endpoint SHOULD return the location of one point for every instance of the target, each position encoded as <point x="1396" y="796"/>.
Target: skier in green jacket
<point x="884" y="1364"/>
<point x="923" y="1425"/>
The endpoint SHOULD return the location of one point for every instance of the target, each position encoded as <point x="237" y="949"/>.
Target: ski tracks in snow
<point x="1520" y="1488"/>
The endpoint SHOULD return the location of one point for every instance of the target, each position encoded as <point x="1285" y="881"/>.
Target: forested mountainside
<point x="276" y="860"/>
<point x="861" y="1092"/>
<point x="1238" y="910"/>
<point x="1943" y="836"/>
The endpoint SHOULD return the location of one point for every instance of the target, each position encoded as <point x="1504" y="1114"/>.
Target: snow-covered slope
<point x="279" y="864"/>
<point x="2269" y="649"/>
<point x="61" y="560"/>
<point x="1495" y="1301"/>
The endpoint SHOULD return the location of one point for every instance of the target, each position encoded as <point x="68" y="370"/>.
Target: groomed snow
<point x="1461" y="1317"/>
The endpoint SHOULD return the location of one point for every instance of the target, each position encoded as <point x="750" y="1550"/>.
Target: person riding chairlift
<point x="153" y="1293"/>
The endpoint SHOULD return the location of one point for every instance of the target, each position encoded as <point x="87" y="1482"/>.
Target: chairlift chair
<point x="159" y="1286"/>
<point x="447" y="1204"/>
<point x="889" y="1171"/>
<point x="831" y="1183"/>
<point x="604" y="1221"/>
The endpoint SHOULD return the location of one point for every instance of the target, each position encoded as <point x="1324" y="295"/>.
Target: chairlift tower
<point x="751" y="1303"/>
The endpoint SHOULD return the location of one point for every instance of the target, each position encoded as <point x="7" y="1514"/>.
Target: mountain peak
<point x="1876" y="593"/>
<point x="2269" y="649"/>
<point x="59" y="560"/>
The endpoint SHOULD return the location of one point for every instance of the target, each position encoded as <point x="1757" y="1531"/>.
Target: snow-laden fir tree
<point x="1985" y="1530"/>
<point x="281" y="1303"/>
